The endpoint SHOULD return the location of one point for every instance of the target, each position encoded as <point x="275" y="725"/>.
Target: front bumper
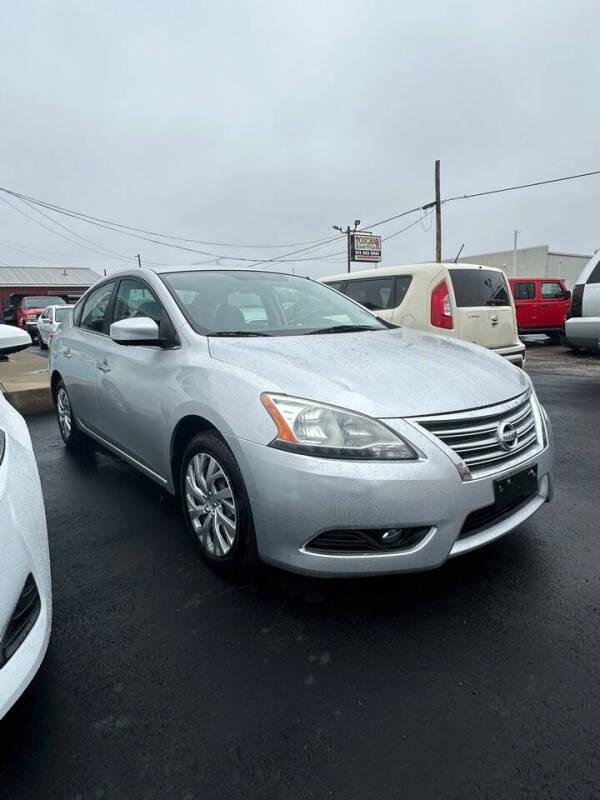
<point x="583" y="332"/>
<point x="295" y="497"/>
<point x="23" y="551"/>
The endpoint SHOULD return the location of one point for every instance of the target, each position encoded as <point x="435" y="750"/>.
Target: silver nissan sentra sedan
<point x="298" y="428"/>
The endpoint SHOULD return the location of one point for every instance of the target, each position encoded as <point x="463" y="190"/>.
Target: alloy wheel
<point x="63" y="409"/>
<point x="211" y="504"/>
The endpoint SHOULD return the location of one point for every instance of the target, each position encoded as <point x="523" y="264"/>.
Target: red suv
<point x="542" y="305"/>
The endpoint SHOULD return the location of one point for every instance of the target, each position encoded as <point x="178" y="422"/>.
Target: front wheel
<point x="216" y="506"/>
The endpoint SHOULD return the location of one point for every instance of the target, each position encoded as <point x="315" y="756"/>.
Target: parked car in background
<point x="23" y="311"/>
<point x="299" y="428"/>
<point x="582" y="327"/>
<point x="49" y="320"/>
<point x="471" y="302"/>
<point x="25" y="590"/>
<point x="542" y="305"/>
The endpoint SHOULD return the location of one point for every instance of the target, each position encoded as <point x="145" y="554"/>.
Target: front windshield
<point x="38" y="302"/>
<point x="221" y="303"/>
<point x="60" y="314"/>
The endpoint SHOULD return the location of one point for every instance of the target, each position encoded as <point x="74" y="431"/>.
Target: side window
<point x="402" y="284"/>
<point x="135" y="299"/>
<point x="552" y="291"/>
<point x="372" y="293"/>
<point x="95" y="308"/>
<point x="524" y="291"/>
<point x="77" y="312"/>
<point x="339" y="285"/>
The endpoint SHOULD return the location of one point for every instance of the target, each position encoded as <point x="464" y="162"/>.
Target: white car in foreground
<point x="25" y="590"/>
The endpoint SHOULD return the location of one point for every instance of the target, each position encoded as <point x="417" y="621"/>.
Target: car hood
<point x="385" y="374"/>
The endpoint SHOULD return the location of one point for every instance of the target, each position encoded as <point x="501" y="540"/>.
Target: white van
<point x="582" y="327"/>
<point x="466" y="301"/>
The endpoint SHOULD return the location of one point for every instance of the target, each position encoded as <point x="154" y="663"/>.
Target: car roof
<point x="166" y="270"/>
<point x="426" y="268"/>
<point x="535" y="278"/>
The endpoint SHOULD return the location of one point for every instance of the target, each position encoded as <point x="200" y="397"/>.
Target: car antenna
<point x="459" y="252"/>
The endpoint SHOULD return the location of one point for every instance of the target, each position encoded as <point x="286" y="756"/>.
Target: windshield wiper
<point x="238" y="333"/>
<point x="343" y="329"/>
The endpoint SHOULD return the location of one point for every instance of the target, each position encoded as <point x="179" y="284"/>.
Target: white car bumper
<point x="25" y="616"/>
<point x="583" y="332"/>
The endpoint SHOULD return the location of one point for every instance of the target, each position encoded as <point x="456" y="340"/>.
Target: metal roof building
<point x="62" y="282"/>
<point x="50" y="277"/>
<point x="534" y="262"/>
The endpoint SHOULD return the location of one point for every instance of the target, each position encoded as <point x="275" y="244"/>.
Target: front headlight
<point x="304" y="426"/>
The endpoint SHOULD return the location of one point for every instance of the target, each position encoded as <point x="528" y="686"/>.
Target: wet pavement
<point x="476" y="680"/>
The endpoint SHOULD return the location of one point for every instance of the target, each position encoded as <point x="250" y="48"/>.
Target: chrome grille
<point x="474" y="435"/>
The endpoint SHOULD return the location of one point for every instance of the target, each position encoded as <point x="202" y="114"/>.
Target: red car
<point x="23" y="311"/>
<point x="542" y="305"/>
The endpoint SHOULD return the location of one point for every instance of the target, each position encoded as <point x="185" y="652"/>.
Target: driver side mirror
<point x="13" y="339"/>
<point x="567" y="294"/>
<point x="139" y="331"/>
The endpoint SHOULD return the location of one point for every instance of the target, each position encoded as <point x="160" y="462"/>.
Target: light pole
<point x="349" y="231"/>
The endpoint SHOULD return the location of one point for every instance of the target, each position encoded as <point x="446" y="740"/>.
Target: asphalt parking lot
<point x="162" y="679"/>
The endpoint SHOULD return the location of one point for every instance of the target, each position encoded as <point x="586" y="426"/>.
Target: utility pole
<point x="139" y="261"/>
<point x="349" y="231"/>
<point x="515" y="255"/>
<point x="438" y="215"/>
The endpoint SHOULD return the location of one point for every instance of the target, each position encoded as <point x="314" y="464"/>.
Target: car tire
<point x="70" y="433"/>
<point x="566" y="343"/>
<point x="216" y="507"/>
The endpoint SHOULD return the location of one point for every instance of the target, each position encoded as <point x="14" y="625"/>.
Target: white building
<point x="534" y="262"/>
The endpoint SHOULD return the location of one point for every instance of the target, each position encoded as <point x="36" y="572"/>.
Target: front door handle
<point x="103" y="365"/>
<point x="67" y="352"/>
<point x="544" y="305"/>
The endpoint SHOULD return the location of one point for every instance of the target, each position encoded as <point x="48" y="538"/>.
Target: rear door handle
<point x="103" y="365"/>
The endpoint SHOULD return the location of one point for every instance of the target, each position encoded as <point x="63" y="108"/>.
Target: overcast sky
<point x="269" y="122"/>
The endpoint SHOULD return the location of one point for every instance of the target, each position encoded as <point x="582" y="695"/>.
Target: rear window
<point x="38" y="302"/>
<point x="479" y="287"/>
<point x="60" y="314"/>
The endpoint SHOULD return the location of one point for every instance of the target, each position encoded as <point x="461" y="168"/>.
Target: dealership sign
<point x="365" y="247"/>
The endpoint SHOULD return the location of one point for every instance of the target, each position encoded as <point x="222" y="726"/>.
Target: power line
<point x="327" y="256"/>
<point x="97" y="247"/>
<point x="33" y="250"/>
<point x="37" y="222"/>
<point x="171" y="245"/>
<point x="90" y="218"/>
<point x="522" y="186"/>
<point x="283" y="257"/>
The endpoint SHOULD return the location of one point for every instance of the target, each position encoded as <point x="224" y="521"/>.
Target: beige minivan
<point x="466" y="301"/>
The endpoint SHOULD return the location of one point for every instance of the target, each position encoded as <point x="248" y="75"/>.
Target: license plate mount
<point x="520" y="485"/>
